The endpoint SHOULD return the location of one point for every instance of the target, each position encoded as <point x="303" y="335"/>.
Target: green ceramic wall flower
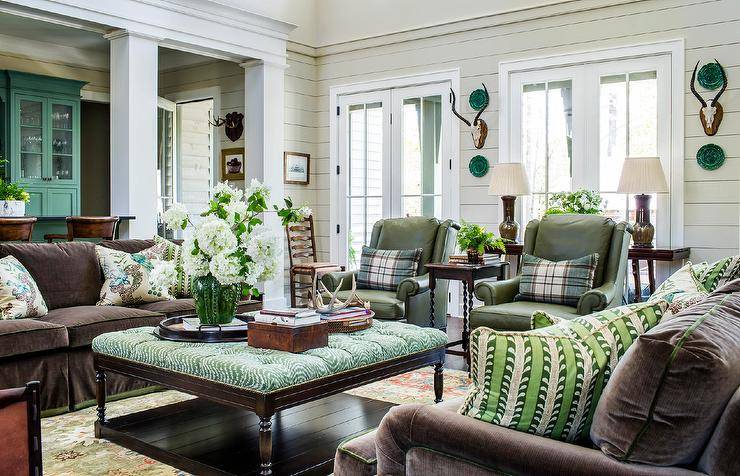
<point x="478" y="166"/>
<point x="478" y="99"/>
<point x="710" y="157"/>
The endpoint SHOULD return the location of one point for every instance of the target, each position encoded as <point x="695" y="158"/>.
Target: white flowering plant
<point x="231" y="243"/>
<point x="588" y="202"/>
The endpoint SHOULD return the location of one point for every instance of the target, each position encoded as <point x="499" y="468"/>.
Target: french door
<point x="394" y="161"/>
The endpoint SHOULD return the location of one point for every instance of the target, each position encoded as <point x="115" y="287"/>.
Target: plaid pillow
<point x="384" y="269"/>
<point x="556" y="282"/>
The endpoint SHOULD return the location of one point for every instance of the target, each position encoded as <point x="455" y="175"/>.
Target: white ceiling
<point x="37" y="30"/>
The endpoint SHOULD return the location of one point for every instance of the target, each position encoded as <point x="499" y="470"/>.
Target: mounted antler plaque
<point x="710" y="113"/>
<point x="478" y="128"/>
<point x="233" y="124"/>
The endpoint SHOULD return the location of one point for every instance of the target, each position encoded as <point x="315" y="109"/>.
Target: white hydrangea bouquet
<point x="230" y="251"/>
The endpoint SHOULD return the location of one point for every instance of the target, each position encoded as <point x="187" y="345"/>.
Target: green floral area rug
<point x="71" y="449"/>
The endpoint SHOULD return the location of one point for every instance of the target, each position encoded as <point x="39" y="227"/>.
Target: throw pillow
<point x="556" y="282"/>
<point x="681" y="290"/>
<point x="665" y="397"/>
<point x="542" y="319"/>
<point x="719" y="273"/>
<point x="127" y="279"/>
<point x="385" y="269"/>
<point x="19" y="295"/>
<point x="173" y="252"/>
<point x="548" y="381"/>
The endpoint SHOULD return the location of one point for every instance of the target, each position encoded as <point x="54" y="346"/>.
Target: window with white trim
<point x="573" y="125"/>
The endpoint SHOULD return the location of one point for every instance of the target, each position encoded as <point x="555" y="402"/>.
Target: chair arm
<point x="412" y="286"/>
<point x="331" y="280"/>
<point x="596" y="299"/>
<point x="435" y="435"/>
<point x="497" y="292"/>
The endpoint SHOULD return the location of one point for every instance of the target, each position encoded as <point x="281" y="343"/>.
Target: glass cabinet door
<point x="31" y="121"/>
<point x="62" y="141"/>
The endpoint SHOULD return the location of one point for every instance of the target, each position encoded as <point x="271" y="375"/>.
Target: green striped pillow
<point x="173" y="252"/>
<point x="548" y="381"/>
<point x="718" y="273"/>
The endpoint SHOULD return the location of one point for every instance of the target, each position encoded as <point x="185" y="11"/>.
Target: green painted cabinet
<point x="42" y="122"/>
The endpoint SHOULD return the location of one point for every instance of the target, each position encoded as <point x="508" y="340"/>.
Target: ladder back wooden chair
<point x="303" y="259"/>
<point x="16" y="228"/>
<point x="87" y="227"/>
<point x="20" y="427"/>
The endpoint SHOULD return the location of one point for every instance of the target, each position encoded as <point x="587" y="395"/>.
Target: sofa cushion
<point x="19" y="295"/>
<point x="84" y="323"/>
<point x="547" y="381"/>
<point x="719" y="273"/>
<point x="128" y="279"/>
<point x="516" y="316"/>
<point x="129" y="246"/>
<point x="75" y="261"/>
<point x="23" y="336"/>
<point x="173" y="252"/>
<point x="681" y="289"/>
<point x="384" y="304"/>
<point x="562" y="237"/>
<point x="664" y="399"/>
<point x="385" y="269"/>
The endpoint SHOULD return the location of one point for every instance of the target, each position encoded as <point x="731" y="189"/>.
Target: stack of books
<point x="487" y="258"/>
<point x="288" y="317"/>
<point x="346" y="313"/>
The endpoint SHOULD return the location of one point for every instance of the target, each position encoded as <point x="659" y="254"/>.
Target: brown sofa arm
<point x="463" y="440"/>
<point x="497" y="292"/>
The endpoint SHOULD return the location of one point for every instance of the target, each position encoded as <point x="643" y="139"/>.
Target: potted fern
<point x="13" y="199"/>
<point x="475" y="240"/>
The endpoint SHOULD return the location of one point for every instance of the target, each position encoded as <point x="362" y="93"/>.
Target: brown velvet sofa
<point x="55" y="349"/>
<point x="672" y="407"/>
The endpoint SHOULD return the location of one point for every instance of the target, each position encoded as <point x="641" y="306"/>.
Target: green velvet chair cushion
<point x="406" y="234"/>
<point x="565" y="237"/>
<point x="383" y="303"/>
<point x="515" y="316"/>
<point x="265" y="370"/>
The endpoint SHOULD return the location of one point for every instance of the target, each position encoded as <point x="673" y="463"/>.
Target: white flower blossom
<point x="215" y="236"/>
<point x="224" y="189"/>
<point x="255" y="186"/>
<point x="238" y="207"/>
<point x="194" y="265"/>
<point x="164" y="274"/>
<point x="176" y="216"/>
<point x="226" y="268"/>
<point x="254" y="271"/>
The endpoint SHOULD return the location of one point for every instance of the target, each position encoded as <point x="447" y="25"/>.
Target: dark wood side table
<point x="468" y="274"/>
<point x="651" y="255"/>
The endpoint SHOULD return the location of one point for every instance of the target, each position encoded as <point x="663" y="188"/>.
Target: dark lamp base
<point x="643" y="231"/>
<point x="509" y="228"/>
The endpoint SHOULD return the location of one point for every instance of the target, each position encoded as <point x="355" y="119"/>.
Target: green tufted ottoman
<point x="265" y="381"/>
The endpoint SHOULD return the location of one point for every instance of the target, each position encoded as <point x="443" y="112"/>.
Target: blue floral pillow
<point x="127" y="280"/>
<point x="19" y="295"/>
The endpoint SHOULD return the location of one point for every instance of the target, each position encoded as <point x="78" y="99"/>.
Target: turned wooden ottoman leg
<point x="100" y="396"/>
<point x="265" y="444"/>
<point x="438" y="382"/>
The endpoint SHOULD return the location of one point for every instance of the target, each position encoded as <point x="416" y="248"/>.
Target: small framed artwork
<point x="296" y="168"/>
<point x="232" y="164"/>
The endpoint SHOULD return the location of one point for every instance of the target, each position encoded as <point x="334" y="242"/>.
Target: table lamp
<point x="641" y="175"/>
<point x="509" y="181"/>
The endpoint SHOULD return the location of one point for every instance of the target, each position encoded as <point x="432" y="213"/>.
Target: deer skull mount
<point x="233" y="124"/>
<point x="710" y="113"/>
<point x="478" y="128"/>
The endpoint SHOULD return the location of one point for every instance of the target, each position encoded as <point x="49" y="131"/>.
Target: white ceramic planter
<point x="12" y="208"/>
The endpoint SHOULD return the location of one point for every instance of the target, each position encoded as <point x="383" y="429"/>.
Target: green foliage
<point x="475" y="237"/>
<point x="582" y="202"/>
<point x="12" y="191"/>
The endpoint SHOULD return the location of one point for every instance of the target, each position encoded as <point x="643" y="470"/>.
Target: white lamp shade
<point x="642" y="175"/>
<point x="508" y="179"/>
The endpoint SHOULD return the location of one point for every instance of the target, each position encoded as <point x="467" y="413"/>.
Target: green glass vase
<point x="215" y="303"/>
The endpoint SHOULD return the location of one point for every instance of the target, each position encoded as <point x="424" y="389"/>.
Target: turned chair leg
<point x="265" y="445"/>
<point x="438" y="382"/>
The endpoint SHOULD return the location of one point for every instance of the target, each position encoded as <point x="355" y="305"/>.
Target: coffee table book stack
<point x="487" y="258"/>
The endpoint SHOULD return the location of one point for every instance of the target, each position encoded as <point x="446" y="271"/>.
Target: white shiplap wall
<point x="710" y="28"/>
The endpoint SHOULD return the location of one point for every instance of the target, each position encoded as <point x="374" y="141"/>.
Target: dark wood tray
<point x="172" y="329"/>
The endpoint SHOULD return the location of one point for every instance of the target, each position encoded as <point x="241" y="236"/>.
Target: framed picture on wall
<point x="232" y="164"/>
<point x="296" y="168"/>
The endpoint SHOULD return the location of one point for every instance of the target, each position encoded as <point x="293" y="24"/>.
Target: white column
<point x="264" y="122"/>
<point x="133" y="117"/>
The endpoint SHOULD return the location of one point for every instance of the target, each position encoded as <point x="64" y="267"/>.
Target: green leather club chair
<point x="410" y="302"/>
<point x="557" y="238"/>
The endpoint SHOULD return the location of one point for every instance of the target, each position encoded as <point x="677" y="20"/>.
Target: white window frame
<point x="672" y="154"/>
<point x="451" y="197"/>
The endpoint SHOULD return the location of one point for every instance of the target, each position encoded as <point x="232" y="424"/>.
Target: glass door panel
<point x="31" y="119"/>
<point x="165" y="162"/>
<point x="421" y="177"/>
<point x="62" y="142"/>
